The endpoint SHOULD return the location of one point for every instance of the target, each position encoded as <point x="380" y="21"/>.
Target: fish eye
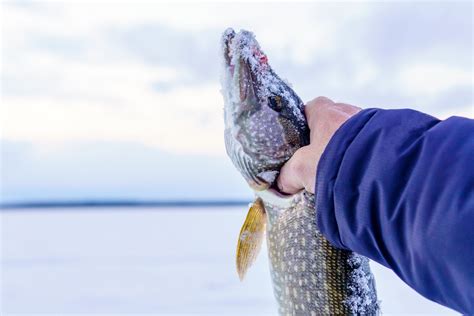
<point x="274" y="102"/>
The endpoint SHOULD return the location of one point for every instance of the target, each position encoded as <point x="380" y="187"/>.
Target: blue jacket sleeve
<point x="397" y="186"/>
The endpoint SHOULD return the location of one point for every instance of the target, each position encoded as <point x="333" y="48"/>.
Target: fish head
<point x="264" y="118"/>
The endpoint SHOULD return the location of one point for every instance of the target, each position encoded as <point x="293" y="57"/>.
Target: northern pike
<point x="264" y="125"/>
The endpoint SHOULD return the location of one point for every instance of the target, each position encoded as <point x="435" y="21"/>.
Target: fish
<point x="265" y="125"/>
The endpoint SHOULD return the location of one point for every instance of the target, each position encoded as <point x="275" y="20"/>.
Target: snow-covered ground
<point x="165" y="261"/>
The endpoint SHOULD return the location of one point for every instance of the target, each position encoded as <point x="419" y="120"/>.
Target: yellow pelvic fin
<point x="250" y="237"/>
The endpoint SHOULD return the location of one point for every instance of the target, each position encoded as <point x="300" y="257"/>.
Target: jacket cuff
<point x="328" y="169"/>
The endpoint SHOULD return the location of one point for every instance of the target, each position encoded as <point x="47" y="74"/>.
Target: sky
<point x="103" y="100"/>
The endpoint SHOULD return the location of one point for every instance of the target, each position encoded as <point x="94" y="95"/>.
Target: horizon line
<point x="103" y="203"/>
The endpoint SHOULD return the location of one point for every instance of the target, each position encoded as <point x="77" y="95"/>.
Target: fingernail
<point x="279" y="185"/>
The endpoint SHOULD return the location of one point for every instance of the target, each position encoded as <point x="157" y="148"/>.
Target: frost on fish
<point x="269" y="83"/>
<point x="361" y="295"/>
<point x="310" y="276"/>
<point x="264" y="118"/>
<point x="264" y="126"/>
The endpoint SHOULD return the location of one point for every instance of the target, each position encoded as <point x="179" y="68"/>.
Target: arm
<point x="397" y="186"/>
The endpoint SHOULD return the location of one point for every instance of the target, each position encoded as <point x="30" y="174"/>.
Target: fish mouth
<point x="264" y="123"/>
<point x="243" y="58"/>
<point x="243" y="45"/>
<point x="227" y="38"/>
<point x="240" y="93"/>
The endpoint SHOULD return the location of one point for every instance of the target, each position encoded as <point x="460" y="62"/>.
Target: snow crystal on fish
<point x="270" y="83"/>
<point x="361" y="295"/>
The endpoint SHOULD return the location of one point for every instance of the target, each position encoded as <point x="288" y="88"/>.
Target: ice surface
<point x="165" y="262"/>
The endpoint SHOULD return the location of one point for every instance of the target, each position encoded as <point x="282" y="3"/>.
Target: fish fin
<point x="250" y="237"/>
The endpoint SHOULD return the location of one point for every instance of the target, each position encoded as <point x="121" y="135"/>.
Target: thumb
<point x="290" y="181"/>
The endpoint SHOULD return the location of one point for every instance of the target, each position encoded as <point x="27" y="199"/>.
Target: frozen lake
<point x="146" y="260"/>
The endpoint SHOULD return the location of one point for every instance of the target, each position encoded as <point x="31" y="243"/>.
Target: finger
<point x="314" y="107"/>
<point x="321" y="100"/>
<point x="289" y="181"/>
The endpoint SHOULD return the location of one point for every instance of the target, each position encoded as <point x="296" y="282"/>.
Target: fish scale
<point x="318" y="278"/>
<point x="265" y="125"/>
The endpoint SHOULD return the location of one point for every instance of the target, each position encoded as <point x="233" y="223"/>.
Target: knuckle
<point x="317" y="107"/>
<point x="319" y="102"/>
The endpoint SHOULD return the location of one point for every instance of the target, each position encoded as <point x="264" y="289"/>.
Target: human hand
<point x="324" y="118"/>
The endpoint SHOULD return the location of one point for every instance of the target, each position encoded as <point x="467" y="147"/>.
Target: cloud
<point x="432" y="78"/>
<point x="380" y="60"/>
<point x="81" y="78"/>
<point x="195" y="53"/>
<point x="173" y="120"/>
<point x="403" y="32"/>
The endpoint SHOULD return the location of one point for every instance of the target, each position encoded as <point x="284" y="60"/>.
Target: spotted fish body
<point x="265" y="125"/>
<point x="311" y="277"/>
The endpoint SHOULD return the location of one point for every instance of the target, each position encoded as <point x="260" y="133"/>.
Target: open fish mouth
<point x="247" y="66"/>
<point x="242" y="53"/>
<point x="227" y="39"/>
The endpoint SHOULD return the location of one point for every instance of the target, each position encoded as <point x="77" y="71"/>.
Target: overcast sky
<point x="121" y="100"/>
